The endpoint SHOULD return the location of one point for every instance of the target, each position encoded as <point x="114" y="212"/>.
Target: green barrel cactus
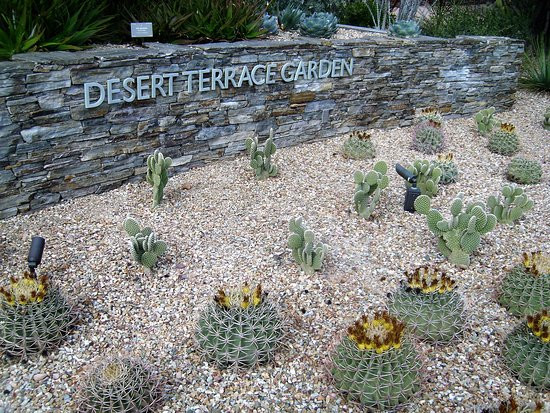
<point x="368" y="188"/>
<point x="318" y="25"/>
<point x="524" y="171"/>
<point x="460" y="235"/>
<point x="504" y="141"/>
<point x="269" y="24"/>
<point x="430" y="115"/>
<point x="429" y="305"/>
<point x="119" y="384"/>
<point x="376" y="364"/>
<point x="308" y="254"/>
<point x="427" y="177"/>
<point x="358" y="146"/>
<point x="34" y="316"/>
<point x="546" y="122"/>
<point x="526" y="288"/>
<point x="511" y="206"/>
<point x="290" y="17"/>
<point x="486" y="121"/>
<point x="240" y="329"/>
<point x="449" y="170"/>
<point x="260" y="160"/>
<point x="405" y="28"/>
<point x="157" y="174"/>
<point x="428" y="137"/>
<point x="144" y="245"/>
<point x="526" y="351"/>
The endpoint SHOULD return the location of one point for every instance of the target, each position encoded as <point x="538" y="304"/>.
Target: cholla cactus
<point x="449" y="170"/>
<point x="427" y="177"/>
<point x="145" y="247"/>
<point x="318" y="25"/>
<point x="260" y="161"/>
<point x="430" y="115"/>
<point x="428" y="137"/>
<point x="290" y="17"/>
<point x="459" y="236"/>
<point x="405" y="28"/>
<point x="240" y="329"/>
<point x="120" y="384"/>
<point x="376" y="364"/>
<point x="368" y="188"/>
<point x="270" y="24"/>
<point x="34" y="316"/>
<point x="509" y="207"/>
<point x="504" y="141"/>
<point x="524" y="171"/>
<point x="485" y="120"/>
<point x="307" y="254"/>
<point x="429" y="305"/>
<point x="546" y="123"/>
<point x="526" y="288"/>
<point x="511" y="406"/>
<point x="157" y="174"/>
<point x="358" y="146"/>
<point x="527" y="351"/>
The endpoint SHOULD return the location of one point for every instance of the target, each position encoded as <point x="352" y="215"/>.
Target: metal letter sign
<point x="141" y="29"/>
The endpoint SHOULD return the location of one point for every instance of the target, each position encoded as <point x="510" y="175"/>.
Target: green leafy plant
<point x="260" y="160"/>
<point x="535" y="72"/>
<point x="290" y="17"/>
<point x="144" y="245"/>
<point x="405" y="28"/>
<point x="358" y="13"/>
<point x="511" y="206"/>
<point x="308" y="254"/>
<point x="18" y="32"/>
<point x="504" y="141"/>
<point x="368" y="188"/>
<point x="318" y="25"/>
<point x="270" y="24"/>
<point x="449" y="170"/>
<point x="428" y="137"/>
<point x="427" y="177"/>
<point x="358" y="146"/>
<point x="524" y="171"/>
<point x="485" y="120"/>
<point x="157" y="174"/>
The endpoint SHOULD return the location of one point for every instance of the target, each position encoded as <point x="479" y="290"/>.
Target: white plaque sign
<point x="141" y="29"/>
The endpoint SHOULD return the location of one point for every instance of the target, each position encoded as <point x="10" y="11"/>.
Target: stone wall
<point x="53" y="148"/>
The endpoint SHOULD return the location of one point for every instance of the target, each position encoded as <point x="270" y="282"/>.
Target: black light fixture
<point x="412" y="191"/>
<point x="35" y="253"/>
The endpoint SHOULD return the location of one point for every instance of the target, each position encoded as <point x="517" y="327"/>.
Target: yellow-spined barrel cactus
<point x="34" y="316"/>
<point x="376" y="364"/>
<point x="509" y="207"/>
<point x="240" y="329"/>
<point x="526" y="288"/>
<point x="368" y="188"/>
<point x="427" y="177"/>
<point x="119" y="384"/>
<point x="429" y="305"/>
<point x="260" y="160"/>
<point x="358" y="146"/>
<point x="430" y="115"/>
<point x="144" y="245"/>
<point x="449" y="170"/>
<point x="157" y="174"/>
<point x="526" y="351"/>
<point x="428" y="137"/>
<point x="504" y="141"/>
<point x="308" y="254"/>
<point x="511" y="406"/>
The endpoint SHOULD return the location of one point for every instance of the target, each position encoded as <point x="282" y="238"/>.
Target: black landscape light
<point x="35" y="253"/>
<point x="412" y="191"/>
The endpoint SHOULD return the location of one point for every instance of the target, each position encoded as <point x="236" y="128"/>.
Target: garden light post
<point x="412" y="192"/>
<point x="35" y="253"/>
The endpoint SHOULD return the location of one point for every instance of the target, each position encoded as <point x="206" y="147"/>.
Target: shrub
<point x="260" y="160"/>
<point x="144" y="245"/>
<point x="368" y="188"/>
<point x="359" y="146"/>
<point x="307" y="254"/>
<point x="535" y="71"/>
<point x="509" y="207"/>
<point x="357" y="13"/>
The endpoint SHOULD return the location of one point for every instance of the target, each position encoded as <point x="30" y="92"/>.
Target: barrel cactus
<point x="504" y="141"/>
<point x="260" y="160"/>
<point x="119" y="384"/>
<point x="290" y="17"/>
<point x="427" y="177"/>
<point x="524" y="171"/>
<point x="240" y="329"/>
<point x="486" y="121"/>
<point x="546" y="122"/>
<point x="270" y="24"/>
<point x="359" y="146"/>
<point x="511" y="406"/>
<point x="318" y="25"/>
<point x="449" y="170"/>
<point x="429" y="305"/>
<point x="307" y="254"/>
<point x="511" y="205"/>
<point x="526" y="351"/>
<point x="430" y="115"/>
<point x="368" y="188"/>
<point x="526" y="288"/>
<point x="405" y="28"/>
<point x="376" y="364"/>
<point x="157" y="174"/>
<point x="34" y="316"/>
<point x="428" y="137"/>
<point x="144" y="245"/>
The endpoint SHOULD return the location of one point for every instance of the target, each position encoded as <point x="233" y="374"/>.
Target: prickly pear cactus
<point x="429" y="305"/>
<point x="486" y="121"/>
<point x="368" y="188"/>
<point x="260" y="160"/>
<point x="526" y="288"/>
<point x="405" y="28"/>
<point x="308" y="254"/>
<point x="427" y="177"/>
<point x="511" y="205"/>
<point x="524" y="171"/>
<point x="358" y="146"/>
<point x="34" y="316"/>
<point x="504" y="141"/>
<point x="546" y="122"/>
<point x="270" y="24"/>
<point x="526" y="351"/>
<point x="144" y="245"/>
<point x="120" y="384"/>
<point x="376" y="364"/>
<point x="460" y="235"/>
<point x="318" y="25"/>
<point x="157" y="174"/>
<point x="240" y="329"/>
<point x="430" y="115"/>
<point x="449" y="170"/>
<point x="511" y="406"/>
<point x="428" y="137"/>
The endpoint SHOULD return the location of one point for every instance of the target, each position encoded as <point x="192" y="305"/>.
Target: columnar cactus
<point x="405" y="28"/>
<point x="34" y="316"/>
<point x="157" y="174"/>
<point x="144" y="245"/>
<point x="485" y="120"/>
<point x="449" y="170"/>
<point x="509" y="207"/>
<point x="260" y="160"/>
<point x="359" y="146"/>
<point x="427" y="177"/>
<point x="240" y="329"/>
<point x="429" y="305"/>
<point x="368" y="188"/>
<point x="307" y="254"/>
<point x="318" y="25"/>
<point x="524" y="171"/>
<point x="459" y="236"/>
<point x="376" y="364"/>
<point x="270" y="24"/>
<point x="428" y="137"/>
<point x="504" y="141"/>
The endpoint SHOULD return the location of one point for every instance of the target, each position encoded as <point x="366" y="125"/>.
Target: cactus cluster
<point x="368" y="188"/>
<point x="269" y="24"/>
<point x="449" y="170"/>
<point x="358" y="146"/>
<point x="546" y="122"/>
<point x="307" y="254"/>
<point x="428" y="137"/>
<point x="260" y="160"/>
<point x="429" y="305"/>
<point x="405" y="28"/>
<point x="427" y="177"/>
<point x="511" y="206"/>
<point x="318" y="25"/>
<point x="459" y="236"/>
<point x="376" y="364"/>
<point x="290" y="17"/>
<point x="157" y="174"/>
<point x="144" y="245"/>
<point x="486" y="121"/>
<point x="240" y="328"/>
<point x="524" y="171"/>
<point x="34" y="316"/>
<point x="430" y="115"/>
<point x="504" y="141"/>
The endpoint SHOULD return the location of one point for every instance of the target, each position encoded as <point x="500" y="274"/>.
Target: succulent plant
<point x="318" y="25"/>
<point x="270" y="24"/>
<point x="524" y="171"/>
<point x="526" y="288"/>
<point x="429" y="305"/>
<point x="511" y="406"/>
<point x="459" y="236"/>
<point x="526" y="351"/>
<point x="430" y="115"/>
<point x="157" y="174"/>
<point x="405" y="28"/>
<point x="376" y="364"/>
<point x="260" y="160"/>
<point x="485" y="120"/>
<point x="428" y="137"/>
<point x="509" y="207"/>
<point x="504" y="141"/>
<point x="290" y="17"/>
<point x="307" y="254"/>
<point x="358" y="146"/>
<point x="368" y="188"/>
<point x="546" y="122"/>
<point x="119" y="384"/>
<point x="240" y="329"/>
<point x="34" y="316"/>
<point x="449" y="170"/>
<point x="427" y="177"/>
<point x="145" y="247"/>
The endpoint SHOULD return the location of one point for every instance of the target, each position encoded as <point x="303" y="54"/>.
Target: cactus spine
<point x="427" y="177"/>
<point x="358" y="146"/>
<point x="524" y="171"/>
<point x="157" y="174"/>
<point x="307" y="254"/>
<point x="260" y="160"/>
<point x="428" y="137"/>
<point x="368" y="188"/>
<point x="485" y="120"/>
<point x="504" y="141"/>
<point x="511" y="206"/>
<point x="144" y="245"/>
<point x="433" y="115"/>
<point x="449" y="170"/>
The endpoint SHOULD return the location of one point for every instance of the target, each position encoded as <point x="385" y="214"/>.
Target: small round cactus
<point x="359" y="146"/>
<point x="524" y="171"/>
<point x="430" y="115"/>
<point x="318" y="25"/>
<point x="428" y="137"/>
<point x="504" y="141"/>
<point x="405" y="28"/>
<point x="449" y="170"/>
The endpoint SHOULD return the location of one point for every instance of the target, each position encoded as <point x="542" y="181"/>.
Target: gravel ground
<point x="341" y="34"/>
<point x="228" y="228"/>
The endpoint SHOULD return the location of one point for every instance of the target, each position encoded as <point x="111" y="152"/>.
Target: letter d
<point x="99" y="101"/>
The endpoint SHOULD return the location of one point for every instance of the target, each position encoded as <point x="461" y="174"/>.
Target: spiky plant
<point x="358" y="146"/>
<point x="260" y="160"/>
<point x="270" y="24"/>
<point x="157" y="174"/>
<point x="144" y="245"/>
<point x="376" y="364"/>
<point x="34" y="316"/>
<point x="449" y="170"/>
<point x="308" y="254"/>
<point x="429" y="305"/>
<point x="368" y="188"/>
<point x="504" y="141"/>
<point x="405" y="28"/>
<point x="486" y="121"/>
<point x="430" y="115"/>
<point x="240" y="328"/>
<point x="428" y="137"/>
<point x="526" y="288"/>
<point x="511" y="205"/>
<point x="524" y="171"/>
<point x="511" y="406"/>
<point x="427" y="177"/>
<point x="546" y="122"/>
<point x="290" y="17"/>
<point x="119" y="384"/>
<point x="318" y="25"/>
